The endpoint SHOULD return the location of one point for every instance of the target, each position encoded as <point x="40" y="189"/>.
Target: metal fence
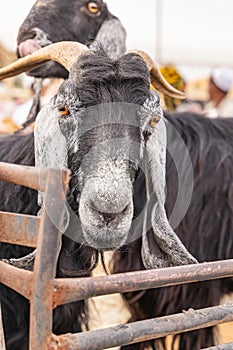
<point x="45" y="292"/>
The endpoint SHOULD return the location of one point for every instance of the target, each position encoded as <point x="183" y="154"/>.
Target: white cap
<point x="222" y="77"/>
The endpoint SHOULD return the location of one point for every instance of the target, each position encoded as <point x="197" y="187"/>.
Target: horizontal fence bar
<point x="18" y="279"/>
<point x="28" y="176"/>
<point x="228" y="346"/>
<point x="69" y="290"/>
<point x="19" y="229"/>
<point x="144" y="330"/>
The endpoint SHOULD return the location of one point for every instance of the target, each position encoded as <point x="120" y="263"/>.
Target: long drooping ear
<point x="112" y="36"/>
<point x="50" y="143"/>
<point x="157" y="79"/>
<point x="160" y="245"/>
<point x="66" y="53"/>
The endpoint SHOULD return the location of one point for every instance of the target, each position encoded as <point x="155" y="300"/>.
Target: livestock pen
<point x="46" y="292"/>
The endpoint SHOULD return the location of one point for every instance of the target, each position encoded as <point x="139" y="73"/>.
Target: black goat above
<point x="87" y="22"/>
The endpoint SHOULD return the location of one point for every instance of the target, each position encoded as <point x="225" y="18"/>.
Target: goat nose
<point x="108" y="217"/>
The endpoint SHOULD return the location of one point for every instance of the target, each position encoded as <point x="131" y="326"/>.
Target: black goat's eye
<point x="154" y="120"/>
<point x="64" y="110"/>
<point x="93" y="7"/>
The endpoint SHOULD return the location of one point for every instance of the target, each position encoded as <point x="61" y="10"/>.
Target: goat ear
<point x="112" y="36"/>
<point x="50" y="147"/>
<point x="160" y="245"/>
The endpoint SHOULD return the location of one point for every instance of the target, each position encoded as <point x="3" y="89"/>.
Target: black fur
<point x="101" y="80"/>
<point x="206" y="229"/>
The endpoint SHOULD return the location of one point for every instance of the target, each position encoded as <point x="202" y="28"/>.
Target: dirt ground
<point x="107" y="311"/>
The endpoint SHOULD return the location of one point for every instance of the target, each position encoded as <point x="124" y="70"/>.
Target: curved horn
<point x="65" y="53"/>
<point x="157" y="78"/>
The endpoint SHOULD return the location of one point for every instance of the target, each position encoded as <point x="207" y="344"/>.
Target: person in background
<point x="220" y="103"/>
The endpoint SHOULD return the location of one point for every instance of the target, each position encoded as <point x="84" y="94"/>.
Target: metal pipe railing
<point x="19" y="229"/>
<point x="144" y="330"/>
<point x="71" y="289"/>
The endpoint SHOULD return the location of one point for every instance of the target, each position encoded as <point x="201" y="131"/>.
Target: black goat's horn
<point x="65" y="53"/>
<point x="157" y="79"/>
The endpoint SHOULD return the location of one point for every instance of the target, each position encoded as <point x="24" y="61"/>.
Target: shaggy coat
<point x="206" y="230"/>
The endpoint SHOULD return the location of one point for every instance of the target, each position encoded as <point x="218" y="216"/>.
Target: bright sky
<point x="184" y="32"/>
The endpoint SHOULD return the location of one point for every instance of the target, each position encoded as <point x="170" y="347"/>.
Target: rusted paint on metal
<point x="18" y="279"/>
<point x="68" y="290"/>
<point x="144" y="330"/>
<point x="48" y="247"/>
<point x="228" y="346"/>
<point x="45" y="292"/>
<point x="19" y="229"/>
<point x="28" y="176"/>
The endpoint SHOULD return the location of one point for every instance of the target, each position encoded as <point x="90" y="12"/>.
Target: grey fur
<point x="50" y="143"/>
<point x="41" y="37"/>
<point x="112" y="36"/>
<point x="157" y="231"/>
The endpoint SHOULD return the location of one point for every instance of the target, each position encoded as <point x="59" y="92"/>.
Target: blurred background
<point x="193" y="36"/>
<point x="187" y="33"/>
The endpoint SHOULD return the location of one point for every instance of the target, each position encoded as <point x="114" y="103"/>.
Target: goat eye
<point x="64" y="111"/>
<point x="154" y="120"/>
<point x="93" y="7"/>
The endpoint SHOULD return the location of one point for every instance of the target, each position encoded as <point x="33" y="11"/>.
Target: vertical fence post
<point x="49" y="241"/>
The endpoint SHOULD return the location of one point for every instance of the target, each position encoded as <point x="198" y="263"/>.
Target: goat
<point x="51" y="21"/>
<point x="102" y="124"/>
<point x="87" y="22"/>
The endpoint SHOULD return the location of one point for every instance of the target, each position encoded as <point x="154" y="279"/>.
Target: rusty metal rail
<point x="70" y="289"/>
<point x="144" y="330"/>
<point x="37" y="286"/>
<point x="19" y="229"/>
<point x="18" y="279"/>
<point x="48" y="247"/>
<point x="24" y="175"/>
<point x="46" y="292"/>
